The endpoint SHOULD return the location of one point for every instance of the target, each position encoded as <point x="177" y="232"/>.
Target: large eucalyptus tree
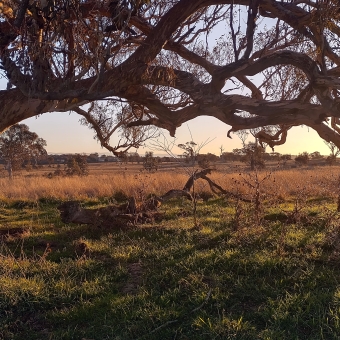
<point x="125" y="66"/>
<point x="19" y="145"/>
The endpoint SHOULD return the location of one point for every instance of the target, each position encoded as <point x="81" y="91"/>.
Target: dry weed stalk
<point x="257" y="193"/>
<point x="238" y="214"/>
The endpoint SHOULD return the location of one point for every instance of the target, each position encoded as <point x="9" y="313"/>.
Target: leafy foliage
<point x="252" y="154"/>
<point x="77" y="165"/>
<point x="150" y="163"/>
<point x="302" y="159"/>
<point x="19" y="145"/>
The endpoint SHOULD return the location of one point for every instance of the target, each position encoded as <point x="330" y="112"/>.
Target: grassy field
<point x="105" y="179"/>
<point x="262" y="270"/>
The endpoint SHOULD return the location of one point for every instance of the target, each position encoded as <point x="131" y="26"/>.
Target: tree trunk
<point x="252" y="162"/>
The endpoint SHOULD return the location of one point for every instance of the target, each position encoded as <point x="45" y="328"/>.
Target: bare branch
<point x="251" y="25"/>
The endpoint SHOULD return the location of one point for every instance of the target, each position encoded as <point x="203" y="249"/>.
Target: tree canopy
<point x="128" y="66"/>
<point x="19" y="145"/>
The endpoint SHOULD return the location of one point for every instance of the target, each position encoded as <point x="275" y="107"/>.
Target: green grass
<point x="171" y="280"/>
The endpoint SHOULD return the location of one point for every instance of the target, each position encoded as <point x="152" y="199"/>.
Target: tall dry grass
<point x="284" y="183"/>
<point x="313" y="182"/>
<point x="89" y="186"/>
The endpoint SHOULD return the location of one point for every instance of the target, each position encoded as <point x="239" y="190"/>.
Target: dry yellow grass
<point x="312" y="182"/>
<point x="321" y="181"/>
<point x="89" y="186"/>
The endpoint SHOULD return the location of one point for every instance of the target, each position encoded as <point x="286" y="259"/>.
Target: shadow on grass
<point x="209" y="283"/>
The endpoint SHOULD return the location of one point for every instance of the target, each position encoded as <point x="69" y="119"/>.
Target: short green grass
<point x="279" y="279"/>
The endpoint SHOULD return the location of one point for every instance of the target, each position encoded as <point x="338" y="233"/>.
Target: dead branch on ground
<point x="132" y="213"/>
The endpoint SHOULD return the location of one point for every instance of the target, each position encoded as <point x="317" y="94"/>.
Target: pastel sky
<point x="64" y="134"/>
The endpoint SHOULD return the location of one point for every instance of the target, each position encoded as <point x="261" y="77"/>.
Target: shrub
<point x="150" y="163"/>
<point x="302" y="158"/>
<point x="204" y="163"/>
<point x="331" y="160"/>
<point x="77" y="165"/>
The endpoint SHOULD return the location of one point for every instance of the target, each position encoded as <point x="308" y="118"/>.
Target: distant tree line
<point x="21" y="148"/>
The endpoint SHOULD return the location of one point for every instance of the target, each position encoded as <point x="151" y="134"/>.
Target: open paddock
<point x="104" y="180"/>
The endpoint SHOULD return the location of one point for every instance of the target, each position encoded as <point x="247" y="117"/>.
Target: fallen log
<point x="214" y="187"/>
<point x="196" y="175"/>
<point x="118" y="216"/>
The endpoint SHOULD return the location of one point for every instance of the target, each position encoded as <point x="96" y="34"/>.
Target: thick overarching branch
<point x="15" y="107"/>
<point x="335" y="121"/>
<point x="278" y="138"/>
<point x="166" y="117"/>
<point x="176" y="47"/>
<point x="256" y="92"/>
<point x="163" y="31"/>
<point x="285" y="57"/>
<point x="81" y="56"/>
<point x="326" y="133"/>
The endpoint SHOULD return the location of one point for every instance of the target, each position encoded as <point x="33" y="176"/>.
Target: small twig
<point x="162" y="326"/>
<point x="203" y="303"/>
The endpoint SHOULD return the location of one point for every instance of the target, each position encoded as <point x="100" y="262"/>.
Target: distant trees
<point x="274" y="156"/>
<point x="285" y="158"/>
<point x="50" y="160"/>
<point x="134" y="157"/>
<point x="335" y="152"/>
<point x="206" y="160"/>
<point x="123" y="157"/>
<point x="302" y="158"/>
<point x="190" y="151"/>
<point x="77" y="166"/>
<point x="244" y="155"/>
<point x="331" y="160"/>
<point x="229" y="157"/>
<point x="150" y="163"/>
<point x="93" y="157"/>
<point x="316" y="155"/>
<point x="19" y="145"/>
<point x="252" y="154"/>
